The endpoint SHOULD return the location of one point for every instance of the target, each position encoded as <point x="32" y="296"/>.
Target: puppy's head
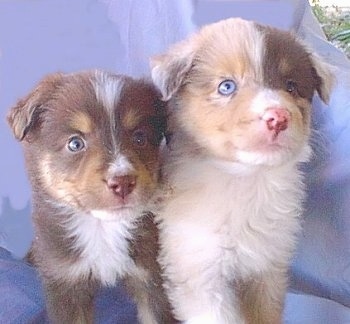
<point x="91" y="141"/>
<point x="243" y="91"/>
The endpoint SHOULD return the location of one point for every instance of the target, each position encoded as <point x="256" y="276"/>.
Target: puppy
<point x="239" y="115"/>
<point x="91" y="142"/>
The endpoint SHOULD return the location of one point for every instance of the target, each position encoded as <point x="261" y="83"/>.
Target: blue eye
<point x="75" y="144"/>
<point x="227" y="87"/>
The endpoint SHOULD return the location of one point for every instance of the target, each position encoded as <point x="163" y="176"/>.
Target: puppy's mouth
<point x="116" y="204"/>
<point x="273" y="140"/>
<point x="271" y="144"/>
<point x="121" y="208"/>
<point x="269" y="148"/>
<point x="262" y="143"/>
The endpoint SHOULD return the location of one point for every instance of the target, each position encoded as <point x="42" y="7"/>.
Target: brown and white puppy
<point x="91" y="142"/>
<point x="239" y="102"/>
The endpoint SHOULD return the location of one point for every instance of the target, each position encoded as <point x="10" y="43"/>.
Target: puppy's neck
<point x="84" y="244"/>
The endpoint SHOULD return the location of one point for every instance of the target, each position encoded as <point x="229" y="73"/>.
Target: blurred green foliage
<point x="335" y="22"/>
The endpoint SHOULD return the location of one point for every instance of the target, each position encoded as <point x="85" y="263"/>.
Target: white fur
<point x="228" y="227"/>
<point x="222" y="226"/>
<point x="265" y="99"/>
<point x="145" y="315"/>
<point x="107" y="89"/>
<point x="207" y="319"/>
<point x="103" y="245"/>
<point x="273" y="158"/>
<point x="121" y="166"/>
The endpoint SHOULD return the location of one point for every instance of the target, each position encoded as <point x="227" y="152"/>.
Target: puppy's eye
<point x="227" y="87"/>
<point x="139" y="137"/>
<point x="76" y="144"/>
<point x="291" y="86"/>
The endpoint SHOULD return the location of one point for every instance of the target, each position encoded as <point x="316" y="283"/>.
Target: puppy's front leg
<point x="70" y="303"/>
<point x="197" y="288"/>
<point x="263" y="298"/>
<point x="210" y="301"/>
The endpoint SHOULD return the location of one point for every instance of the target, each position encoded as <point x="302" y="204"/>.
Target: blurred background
<point x="334" y="17"/>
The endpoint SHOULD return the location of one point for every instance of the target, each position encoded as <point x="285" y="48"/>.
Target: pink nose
<point x="122" y="186"/>
<point x="276" y="119"/>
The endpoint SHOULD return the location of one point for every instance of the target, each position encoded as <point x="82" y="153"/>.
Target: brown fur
<point x="143" y="252"/>
<point x="114" y="115"/>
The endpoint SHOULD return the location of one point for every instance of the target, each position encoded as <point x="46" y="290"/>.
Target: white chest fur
<point x="104" y="248"/>
<point x="242" y="222"/>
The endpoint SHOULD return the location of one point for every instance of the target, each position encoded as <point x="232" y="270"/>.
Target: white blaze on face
<point x="107" y="89"/>
<point x="121" y="166"/>
<point x="265" y="99"/>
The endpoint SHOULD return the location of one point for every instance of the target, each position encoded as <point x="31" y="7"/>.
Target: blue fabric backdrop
<point x="38" y="37"/>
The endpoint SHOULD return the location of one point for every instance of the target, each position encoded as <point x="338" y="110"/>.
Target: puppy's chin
<point x="274" y="157"/>
<point x="248" y="162"/>
<point x="288" y="148"/>
<point x="118" y="214"/>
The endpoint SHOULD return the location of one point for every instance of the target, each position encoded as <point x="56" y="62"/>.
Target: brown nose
<point x="122" y="186"/>
<point x="276" y="119"/>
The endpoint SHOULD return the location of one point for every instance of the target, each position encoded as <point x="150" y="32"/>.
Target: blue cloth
<point x="39" y="37"/>
<point x="22" y="300"/>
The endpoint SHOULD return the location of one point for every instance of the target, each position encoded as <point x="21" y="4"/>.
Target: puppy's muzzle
<point x="122" y="186"/>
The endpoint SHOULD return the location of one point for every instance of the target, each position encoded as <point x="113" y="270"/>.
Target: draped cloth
<point x="37" y="37"/>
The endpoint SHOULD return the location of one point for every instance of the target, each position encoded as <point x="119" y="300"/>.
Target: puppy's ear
<point x="25" y="115"/>
<point x="169" y="70"/>
<point x="324" y="74"/>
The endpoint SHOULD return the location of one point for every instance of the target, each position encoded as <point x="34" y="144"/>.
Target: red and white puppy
<point x="91" y="142"/>
<point x="239" y="114"/>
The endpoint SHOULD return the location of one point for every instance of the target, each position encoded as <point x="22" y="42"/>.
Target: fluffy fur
<point x="91" y="142"/>
<point x="239" y="116"/>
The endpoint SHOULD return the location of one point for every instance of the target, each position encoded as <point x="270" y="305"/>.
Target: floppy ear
<point x="169" y="70"/>
<point x="25" y="115"/>
<point x="325" y="76"/>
